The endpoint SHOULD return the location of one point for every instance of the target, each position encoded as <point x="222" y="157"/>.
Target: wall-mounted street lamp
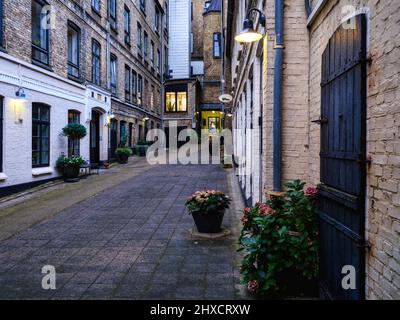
<point x="249" y="34"/>
<point x="111" y="115"/>
<point x="20" y="94"/>
<point x="146" y="119"/>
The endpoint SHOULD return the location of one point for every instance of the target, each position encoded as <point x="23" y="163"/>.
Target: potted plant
<point x="70" y="167"/>
<point x="142" y="147"/>
<point x="74" y="131"/>
<point x="208" y="209"/>
<point x="280" y="242"/>
<point x="123" y="154"/>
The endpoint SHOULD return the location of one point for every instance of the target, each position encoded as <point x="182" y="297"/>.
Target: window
<point x="113" y="82"/>
<point x="1" y="131"/>
<point x="145" y="96"/>
<point x="139" y="37"/>
<point x="40" y="33"/>
<point x="158" y="60"/>
<point x="122" y="131"/>
<point x="176" y="101"/>
<point x="96" y="5"/>
<point x="130" y="135"/>
<point x="157" y="19"/>
<point x="217" y="45"/>
<point x="127" y="26"/>
<point x="134" y="83"/>
<point x="73" y="144"/>
<point x="166" y="68"/>
<point x="40" y="135"/>
<point x="206" y="5"/>
<point x="140" y="90"/>
<point x="112" y="12"/>
<point x="96" y="50"/>
<point x="166" y="22"/>
<point x="127" y="83"/>
<point x="152" y="54"/>
<point x="73" y="50"/>
<point x="143" y="5"/>
<point x="146" y="44"/>
<point x="1" y="28"/>
<point x="152" y="98"/>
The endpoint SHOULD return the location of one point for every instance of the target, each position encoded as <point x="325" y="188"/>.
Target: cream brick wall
<point x="295" y="94"/>
<point x="383" y="129"/>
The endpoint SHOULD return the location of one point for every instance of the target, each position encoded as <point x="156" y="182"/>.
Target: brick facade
<point x="301" y="104"/>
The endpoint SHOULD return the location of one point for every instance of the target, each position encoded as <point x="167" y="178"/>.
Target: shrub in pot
<point x="74" y="131"/>
<point x="70" y="167"/>
<point x="208" y="208"/>
<point x="142" y="147"/>
<point x="279" y="239"/>
<point x="123" y="154"/>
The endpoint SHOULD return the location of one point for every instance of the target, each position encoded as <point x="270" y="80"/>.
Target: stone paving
<point x="130" y="241"/>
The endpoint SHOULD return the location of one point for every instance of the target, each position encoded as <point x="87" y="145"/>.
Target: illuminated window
<point x="176" y="101"/>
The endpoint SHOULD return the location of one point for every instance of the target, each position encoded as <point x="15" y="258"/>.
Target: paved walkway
<point x="130" y="241"/>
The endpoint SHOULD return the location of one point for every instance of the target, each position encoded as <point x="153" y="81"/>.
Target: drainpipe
<point x="277" y="109"/>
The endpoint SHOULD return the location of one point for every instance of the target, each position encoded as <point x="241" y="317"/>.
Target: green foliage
<point x="64" y="161"/>
<point x="279" y="238"/>
<point x="207" y="202"/>
<point x="124" y="150"/>
<point x="123" y="141"/>
<point x="74" y="131"/>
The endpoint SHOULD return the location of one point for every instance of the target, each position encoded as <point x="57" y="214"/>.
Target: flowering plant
<point x="207" y="202"/>
<point x="279" y="239"/>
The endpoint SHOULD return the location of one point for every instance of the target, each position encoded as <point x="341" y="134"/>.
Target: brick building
<point x="96" y="62"/>
<point x="338" y="127"/>
<point x="195" y="63"/>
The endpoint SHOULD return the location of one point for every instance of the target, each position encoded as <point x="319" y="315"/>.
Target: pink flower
<point x="311" y="192"/>
<point x="265" y="210"/>
<point x="244" y="220"/>
<point x="252" y="286"/>
<point x="246" y="211"/>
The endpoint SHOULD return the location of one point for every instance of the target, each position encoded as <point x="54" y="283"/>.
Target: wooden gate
<point x="343" y="160"/>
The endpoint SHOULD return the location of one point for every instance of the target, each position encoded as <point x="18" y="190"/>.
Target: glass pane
<point x="35" y="158"/>
<point x="182" y="101"/>
<point x="45" y="144"/>
<point x="45" y="158"/>
<point x="171" y="101"/>
<point x="73" y="45"/>
<point x="44" y="113"/>
<point x="35" y="144"/>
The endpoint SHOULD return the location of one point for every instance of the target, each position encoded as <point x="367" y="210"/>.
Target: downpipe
<point x="277" y="109"/>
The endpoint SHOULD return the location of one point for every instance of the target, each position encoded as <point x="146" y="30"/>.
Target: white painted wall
<point x="43" y="87"/>
<point x="179" y="38"/>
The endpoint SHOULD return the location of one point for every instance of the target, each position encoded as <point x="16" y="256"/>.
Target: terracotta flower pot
<point x="209" y="223"/>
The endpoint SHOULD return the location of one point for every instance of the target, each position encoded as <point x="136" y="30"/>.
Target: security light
<point x="249" y="34"/>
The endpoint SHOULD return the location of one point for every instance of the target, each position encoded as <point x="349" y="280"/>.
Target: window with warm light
<point x="176" y="101"/>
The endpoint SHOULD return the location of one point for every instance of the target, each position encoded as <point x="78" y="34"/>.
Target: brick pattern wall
<point x="383" y="129"/>
<point x="295" y="94"/>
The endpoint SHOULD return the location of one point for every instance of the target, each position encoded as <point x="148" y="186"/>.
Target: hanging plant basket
<point x="74" y="131"/>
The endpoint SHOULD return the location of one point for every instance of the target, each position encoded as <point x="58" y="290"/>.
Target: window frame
<point x="127" y="81"/>
<point x="175" y="91"/>
<point x="96" y="8"/>
<point x="71" y="65"/>
<point x="140" y="90"/>
<point x="114" y="86"/>
<point x="127" y="26"/>
<point x="145" y="44"/>
<point x="112" y="14"/>
<point x="152" y="53"/>
<point x="134" y="83"/>
<point x="158" y="61"/>
<point x="157" y="14"/>
<point x="74" y="144"/>
<point x="217" y="41"/>
<point x="36" y="48"/>
<point x="139" y="40"/>
<point x="41" y="123"/>
<point x="98" y="57"/>
<point x="143" y="5"/>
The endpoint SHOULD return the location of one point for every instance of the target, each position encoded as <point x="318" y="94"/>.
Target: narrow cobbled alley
<point x="129" y="241"/>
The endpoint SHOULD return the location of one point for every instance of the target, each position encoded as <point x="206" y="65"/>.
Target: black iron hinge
<point x="321" y="120"/>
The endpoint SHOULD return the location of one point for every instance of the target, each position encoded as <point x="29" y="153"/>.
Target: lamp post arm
<point x="262" y="19"/>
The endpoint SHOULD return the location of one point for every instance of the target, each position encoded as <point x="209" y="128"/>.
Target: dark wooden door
<point x="113" y="138"/>
<point x="95" y="138"/>
<point x="343" y="160"/>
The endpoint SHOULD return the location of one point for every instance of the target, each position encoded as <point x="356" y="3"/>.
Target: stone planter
<point x="209" y="223"/>
<point x="71" y="173"/>
<point x="123" y="158"/>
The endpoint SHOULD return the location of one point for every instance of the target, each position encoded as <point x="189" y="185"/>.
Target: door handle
<point x="320" y="121"/>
